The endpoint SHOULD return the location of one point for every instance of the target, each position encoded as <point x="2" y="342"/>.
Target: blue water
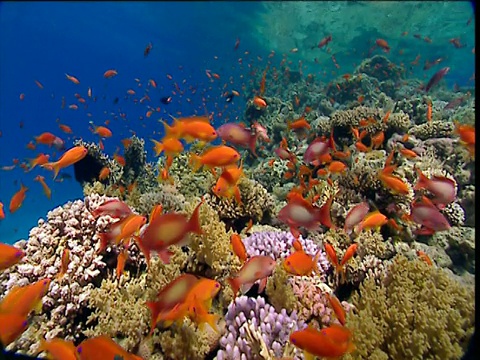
<point x="44" y="40"/>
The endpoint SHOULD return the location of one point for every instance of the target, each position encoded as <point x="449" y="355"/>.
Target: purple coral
<point x="277" y="244"/>
<point x="275" y="328"/>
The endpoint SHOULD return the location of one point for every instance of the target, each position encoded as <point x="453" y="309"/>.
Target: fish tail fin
<point x="158" y="148"/>
<point x="236" y="193"/>
<point x="104" y="240"/>
<point x="145" y="251"/>
<point x="252" y="143"/>
<point x="52" y="166"/>
<point x="234" y="283"/>
<point x="324" y="214"/>
<point x="152" y="305"/>
<point x="422" y="180"/>
<point x="194" y="222"/>
<point x="169" y="130"/>
<point x="195" y="162"/>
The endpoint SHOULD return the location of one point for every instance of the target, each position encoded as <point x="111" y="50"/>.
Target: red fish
<point x="325" y="41"/>
<point x="435" y="79"/>
<point x="256" y="268"/>
<point x="114" y="208"/>
<point x="301" y="213"/>
<point x="355" y="216"/>
<point x="443" y="188"/>
<point x="169" y="229"/>
<point x="238" y="135"/>
<point x="426" y="214"/>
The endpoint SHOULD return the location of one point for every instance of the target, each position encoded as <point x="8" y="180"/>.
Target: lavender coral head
<point x="277" y="244"/>
<point x="250" y="321"/>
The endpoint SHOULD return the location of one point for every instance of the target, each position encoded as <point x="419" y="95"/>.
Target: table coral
<point x="273" y="327"/>
<point x="417" y="312"/>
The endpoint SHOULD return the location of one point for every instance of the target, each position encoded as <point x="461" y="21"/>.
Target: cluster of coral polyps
<point x="71" y="227"/>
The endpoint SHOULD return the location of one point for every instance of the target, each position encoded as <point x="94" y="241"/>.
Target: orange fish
<point x="256" y="268"/>
<point x="259" y="102"/>
<point x="123" y="229"/>
<point x="103" y="347"/>
<point x="337" y="308"/>
<point x="65" y="128"/>
<point x="298" y="124"/>
<point x="238" y="247"/>
<point x="429" y="111"/>
<point x="320" y="343"/>
<point x="395" y="184"/>
<point x="72" y="79"/>
<point x="217" y="156"/>
<point x="17" y="199"/>
<point x="11" y="327"/>
<point x="46" y="189"/>
<point x="351" y="250"/>
<point x="170" y="145"/>
<point x="104" y="173"/>
<point x="467" y="136"/>
<point x="300" y="263"/>
<point x="120" y="159"/>
<point x="39" y="160"/>
<point x="337" y="167"/>
<point x="226" y="185"/>
<point x="58" y="349"/>
<point x="45" y="138"/>
<point x="9" y="256"/>
<point x="64" y="263"/>
<point x="171" y="295"/>
<point x="2" y="213"/>
<point x="373" y="220"/>
<point x="109" y="73"/>
<point x="121" y="260"/>
<point x="383" y="44"/>
<point x="22" y="300"/>
<point x="191" y="128"/>
<point x="70" y="157"/>
<point x="424" y="257"/>
<point x="102" y="131"/>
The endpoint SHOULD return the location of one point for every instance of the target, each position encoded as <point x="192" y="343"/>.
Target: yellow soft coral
<point x="417" y="312"/>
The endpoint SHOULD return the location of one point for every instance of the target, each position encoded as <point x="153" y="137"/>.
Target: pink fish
<point x="299" y="212"/>
<point x="355" y="216"/>
<point x="315" y="149"/>
<point x="58" y="143"/>
<point x="443" y="188"/>
<point x="435" y="79"/>
<point x="425" y="213"/>
<point x="260" y="131"/>
<point x="256" y="268"/>
<point x="114" y="208"/>
<point x="238" y="135"/>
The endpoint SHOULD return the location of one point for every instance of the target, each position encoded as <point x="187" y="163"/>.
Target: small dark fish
<point x="436" y="78"/>
<point x="229" y="97"/>
<point x="237" y="44"/>
<point x="166" y="100"/>
<point x="147" y="49"/>
<point x="115" y="101"/>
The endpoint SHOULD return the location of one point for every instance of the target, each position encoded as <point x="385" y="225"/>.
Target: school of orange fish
<point x="191" y="296"/>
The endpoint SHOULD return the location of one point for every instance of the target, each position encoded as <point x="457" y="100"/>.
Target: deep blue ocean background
<point x="44" y="40"/>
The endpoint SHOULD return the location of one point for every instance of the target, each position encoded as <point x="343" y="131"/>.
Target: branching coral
<point x="418" y="312"/>
<point x="119" y="306"/>
<point x="257" y="203"/>
<point x="68" y="227"/>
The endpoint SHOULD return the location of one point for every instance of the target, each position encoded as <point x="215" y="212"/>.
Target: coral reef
<point x="68" y="227"/>
<point x="418" y="312"/>
<point x="248" y="315"/>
